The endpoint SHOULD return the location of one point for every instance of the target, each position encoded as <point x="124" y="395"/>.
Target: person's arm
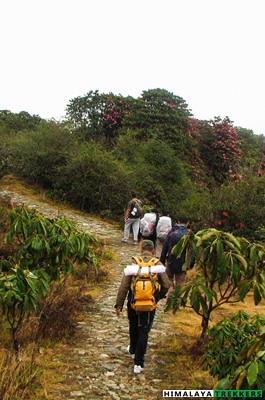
<point x="164" y="284"/>
<point x="128" y="210"/>
<point x="127" y="213"/>
<point x="122" y="293"/>
<point x="165" y="249"/>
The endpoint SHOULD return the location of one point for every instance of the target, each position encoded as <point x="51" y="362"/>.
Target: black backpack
<point x="175" y="264"/>
<point x="177" y="232"/>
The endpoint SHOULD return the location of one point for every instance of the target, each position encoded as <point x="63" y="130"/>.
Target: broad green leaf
<point x="204" y="305"/>
<point x="252" y="349"/>
<point x="262" y="369"/>
<point x="261" y="353"/>
<point x="257" y="294"/>
<point x="178" y="248"/>
<point x="244" y="289"/>
<point x="260" y="278"/>
<point x="219" y="248"/>
<point x="194" y="294"/>
<point x="253" y="255"/>
<point x="223" y="384"/>
<point x="208" y="292"/>
<point x="241" y="260"/>
<point x="196" y="306"/>
<point x="36" y="243"/>
<point x="9" y="237"/>
<point x="252" y="373"/>
<point x="232" y="239"/>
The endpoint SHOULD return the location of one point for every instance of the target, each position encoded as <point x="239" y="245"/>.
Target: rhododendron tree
<point x="193" y="155"/>
<point x="220" y="149"/>
<point x="98" y="116"/>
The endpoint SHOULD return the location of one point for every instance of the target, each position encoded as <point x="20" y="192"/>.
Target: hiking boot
<point x="138" y="369"/>
<point x="128" y="351"/>
<point x="124" y="240"/>
<point x="135" y="242"/>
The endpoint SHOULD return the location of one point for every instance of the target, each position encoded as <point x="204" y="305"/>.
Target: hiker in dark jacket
<point x="140" y="323"/>
<point x="173" y="264"/>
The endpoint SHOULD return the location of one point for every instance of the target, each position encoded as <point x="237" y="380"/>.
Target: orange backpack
<point x="144" y="286"/>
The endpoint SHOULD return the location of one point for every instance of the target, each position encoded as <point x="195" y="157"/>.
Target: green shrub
<point x="228" y="338"/>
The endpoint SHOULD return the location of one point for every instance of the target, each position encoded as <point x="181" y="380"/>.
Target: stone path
<point x="97" y="365"/>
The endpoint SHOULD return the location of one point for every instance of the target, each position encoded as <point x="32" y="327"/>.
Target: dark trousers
<point x="139" y="328"/>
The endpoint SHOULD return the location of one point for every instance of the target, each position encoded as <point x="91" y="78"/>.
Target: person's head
<point x="147" y="246"/>
<point x="155" y="210"/>
<point x="133" y="194"/>
<point x="166" y="213"/>
<point x="183" y="220"/>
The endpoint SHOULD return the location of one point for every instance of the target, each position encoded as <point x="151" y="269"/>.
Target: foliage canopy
<point x="109" y="145"/>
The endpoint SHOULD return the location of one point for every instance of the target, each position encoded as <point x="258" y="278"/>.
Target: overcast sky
<point x="209" y="52"/>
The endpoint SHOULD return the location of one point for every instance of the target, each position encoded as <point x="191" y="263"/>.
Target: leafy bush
<point x="157" y="173"/>
<point x="94" y="181"/>
<point x="48" y="250"/>
<point x="251" y="371"/>
<point x="36" y="155"/>
<point x="226" y="269"/>
<point x="228" y="339"/>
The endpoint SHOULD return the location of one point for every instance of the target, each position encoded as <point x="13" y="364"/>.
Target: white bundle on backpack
<point x="147" y="224"/>
<point x="163" y="227"/>
<point x="133" y="269"/>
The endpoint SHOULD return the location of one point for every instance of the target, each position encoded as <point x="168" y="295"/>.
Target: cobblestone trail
<point x="97" y="366"/>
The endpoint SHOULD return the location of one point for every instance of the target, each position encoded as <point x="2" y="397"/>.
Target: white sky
<point x="209" y="52"/>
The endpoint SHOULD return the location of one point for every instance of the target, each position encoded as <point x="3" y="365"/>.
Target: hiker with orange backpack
<point x="144" y="283"/>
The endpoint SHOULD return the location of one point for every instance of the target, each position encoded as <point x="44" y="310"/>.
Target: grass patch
<point x="17" y="377"/>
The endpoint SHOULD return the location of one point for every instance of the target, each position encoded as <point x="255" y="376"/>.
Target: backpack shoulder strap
<point x="153" y="261"/>
<point x="137" y="260"/>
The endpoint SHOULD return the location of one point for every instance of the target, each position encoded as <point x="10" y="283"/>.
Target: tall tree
<point x="253" y="151"/>
<point x="98" y="116"/>
<point x="162" y="115"/>
<point x="220" y="148"/>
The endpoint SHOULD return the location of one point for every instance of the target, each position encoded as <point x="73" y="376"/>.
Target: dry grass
<point x="17" y="377"/>
<point x="12" y="183"/>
